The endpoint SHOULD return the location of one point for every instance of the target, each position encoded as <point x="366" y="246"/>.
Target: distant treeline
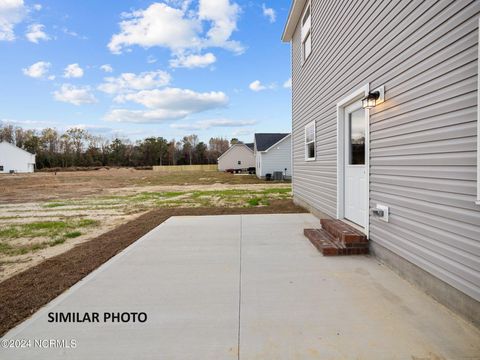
<point x="78" y="147"/>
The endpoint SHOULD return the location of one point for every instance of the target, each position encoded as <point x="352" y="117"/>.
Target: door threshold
<point x="354" y="225"/>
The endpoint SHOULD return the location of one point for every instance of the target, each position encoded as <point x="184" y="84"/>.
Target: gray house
<point x="385" y="133"/>
<point x="273" y="153"/>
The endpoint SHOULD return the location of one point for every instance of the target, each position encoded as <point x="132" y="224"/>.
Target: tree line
<point x="77" y="147"/>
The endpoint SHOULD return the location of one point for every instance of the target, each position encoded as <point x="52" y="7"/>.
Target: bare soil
<point x="20" y="188"/>
<point x="110" y="198"/>
<point x="24" y="293"/>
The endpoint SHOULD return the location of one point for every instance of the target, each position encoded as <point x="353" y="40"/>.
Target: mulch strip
<point x="26" y="292"/>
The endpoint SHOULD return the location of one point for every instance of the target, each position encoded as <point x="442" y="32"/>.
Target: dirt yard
<point x="43" y="215"/>
<point x="19" y="188"/>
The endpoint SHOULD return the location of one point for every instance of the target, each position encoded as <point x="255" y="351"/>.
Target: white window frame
<point x="478" y="121"/>
<point x="311" y="123"/>
<point x="306" y="32"/>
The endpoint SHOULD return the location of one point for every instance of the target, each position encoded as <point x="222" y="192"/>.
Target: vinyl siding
<point x="15" y="159"/>
<point x="423" y="161"/>
<point x="229" y="160"/>
<point x="278" y="158"/>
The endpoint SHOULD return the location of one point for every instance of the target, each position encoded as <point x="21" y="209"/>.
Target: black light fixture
<point x="370" y="101"/>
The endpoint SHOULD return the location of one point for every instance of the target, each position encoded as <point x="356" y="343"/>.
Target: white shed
<point x="273" y="152"/>
<point x="12" y="158"/>
<point x="238" y="156"/>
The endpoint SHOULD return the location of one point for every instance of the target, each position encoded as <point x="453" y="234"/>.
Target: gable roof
<point x="294" y="15"/>
<point x="16" y="147"/>
<point x="264" y="141"/>
<point x="235" y="146"/>
<point x="251" y="145"/>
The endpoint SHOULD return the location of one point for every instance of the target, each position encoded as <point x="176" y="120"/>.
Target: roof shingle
<point x="265" y="140"/>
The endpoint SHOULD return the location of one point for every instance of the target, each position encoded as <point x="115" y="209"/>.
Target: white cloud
<point x="193" y="61"/>
<point x="158" y="25"/>
<point x="37" y="7"/>
<point x="73" y="71"/>
<point x="74" y="34"/>
<point x="269" y="13"/>
<point x="223" y="16"/>
<point x="178" y="99"/>
<point x="207" y="124"/>
<point x="258" y="86"/>
<point x="179" y="28"/>
<point x="151" y="59"/>
<point x="35" y="33"/>
<point x="107" y="68"/>
<point x="167" y="104"/>
<point x="144" y="116"/>
<point x="39" y="70"/>
<point x="288" y="83"/>
<point x="12" y="12"/>
<point x="76" y="95"/>
<point x="30" y="124"/>
<point x="128" y="82"/>
<point x="242" y="132"/>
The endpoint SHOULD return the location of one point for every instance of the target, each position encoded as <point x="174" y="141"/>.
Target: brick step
<point x="329" y="246"/>
<point x="344" y="233"/>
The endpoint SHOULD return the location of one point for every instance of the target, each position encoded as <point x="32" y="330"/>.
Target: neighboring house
<point x="13" y="158"/>
<point x="237" y="157"/>
<point x="273" y="152"/>
<point x="410" y="148"/>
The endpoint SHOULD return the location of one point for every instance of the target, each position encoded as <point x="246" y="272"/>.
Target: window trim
<point x="478" y="121"/>
<point x="314" y="141"/>
<point x="308" y="6"/>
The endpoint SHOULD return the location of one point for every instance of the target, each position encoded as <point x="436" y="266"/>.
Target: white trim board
<point x="314" y="140"/>
<point x="478" y="120"/>
<point x="341" y="105"/>
<point x="231" y="147"/>
<point x="296" y="11"/>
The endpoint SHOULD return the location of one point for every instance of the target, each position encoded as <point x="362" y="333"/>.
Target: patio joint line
<point x="240" y="287"/>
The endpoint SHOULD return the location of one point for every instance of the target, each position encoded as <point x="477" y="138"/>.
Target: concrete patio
<point x="248" y="287"/>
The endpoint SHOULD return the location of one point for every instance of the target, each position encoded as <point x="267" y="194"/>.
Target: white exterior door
<point x="354" y="162"/>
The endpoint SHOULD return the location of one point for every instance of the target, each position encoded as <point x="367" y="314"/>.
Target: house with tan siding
<point x="385" y="133"/>
<point x="238" y="157"/>
<point x="15" y="160"/>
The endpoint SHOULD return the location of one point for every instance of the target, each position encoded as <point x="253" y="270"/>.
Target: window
<point x="310" y="141"/>
<point x="356" y="124"/>
<point x="239" y="162"/>
<point x="1" y="167"/>
<point x="306" y="33"/>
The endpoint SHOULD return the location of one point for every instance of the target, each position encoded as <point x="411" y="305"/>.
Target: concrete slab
<point x="184" y="275"/>
<point x="297" y="304"/>
<point x="249" y="287"/>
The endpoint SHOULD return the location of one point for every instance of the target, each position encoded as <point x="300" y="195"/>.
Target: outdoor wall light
<point x="374" y="98"/>
<point x="370" y="100"/>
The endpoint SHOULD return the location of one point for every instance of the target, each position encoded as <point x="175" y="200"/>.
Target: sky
<point x="136" y="68"/>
